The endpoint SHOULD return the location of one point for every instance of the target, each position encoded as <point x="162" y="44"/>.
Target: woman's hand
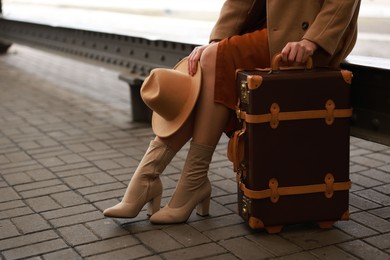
<point x="298" y="52"/>
<point x="194" y="58"/>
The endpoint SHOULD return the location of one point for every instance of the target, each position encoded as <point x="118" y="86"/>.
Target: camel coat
<point x="331" y="24"/>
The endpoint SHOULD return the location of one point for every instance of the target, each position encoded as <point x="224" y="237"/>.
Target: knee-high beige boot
<point x="145" y="185"/>
<point x="193" y="188"/>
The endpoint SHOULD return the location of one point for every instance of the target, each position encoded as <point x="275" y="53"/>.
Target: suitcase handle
<point x="275" y="64"/>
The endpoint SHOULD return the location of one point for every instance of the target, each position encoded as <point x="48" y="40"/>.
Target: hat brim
<point x="165" y="128"/>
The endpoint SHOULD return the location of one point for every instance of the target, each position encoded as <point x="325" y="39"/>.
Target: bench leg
<point x="4" y="46"/>
<point x="140" y="112"/>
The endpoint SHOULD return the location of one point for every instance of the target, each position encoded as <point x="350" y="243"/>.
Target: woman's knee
<point x="208" y="58"/>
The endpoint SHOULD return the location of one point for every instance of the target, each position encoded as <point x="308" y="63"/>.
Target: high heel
<point x="145" y="186"/>
<point x="193" y="189"/>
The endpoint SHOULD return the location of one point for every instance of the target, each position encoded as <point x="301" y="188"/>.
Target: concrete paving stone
<point x="71" y="158"/>
<point x="376" y="147"/>
<point x="158" y="241"/>
<point x="104" y="195"/>
<point x="35" y="249"/>
<point x="18" y="157"/>
<point x="380" y="157"/>
<point x="358" y="151"/>
<point x="74" y="169"/>
<point x="186" y="235"/>
<point x="385" y="189"/>
<point x="41" y="174"/>
<point x="357" y="168"/>
<point x="77" y="182"/>
<point x="372" y="221"/>
<point x="245" y="249"/>
<point x="4" y="159"/>
<point x="363" y="250"/>
<point x="44" y="203"/>
<point x="274" y="244"/>
<point x="310" y="238"/>
<point x="126" y="161"/>
<point x="65" y="254"/>
<point x="331" y="253"/>
<point x="213" y="177"/>
<point x="381" y="212"/>
<point x="115" y="186"/>
<point x="7" y="229"/>
<point x="152" y="257"/>
<point x="134" y="252"/>
<point x="37" y="185"/>
<point x="8" y="194"/>
<point x="367" y="161"/>
<point x="101" y="155"/>
<point x="362" y="203"/>
<point x="78" y="148"/>
<point x="106" y="228"/>
<point x="77" y="235"/>
<point x="17" y="178"/>
<point x="299" y="256"/>
<point x="27" y="239"/>
<point x="107" y="245"/>
<point x="226" y="199"/>
<point x="385" y="168"/>
<point x="68" y="198"/>
<point x="43" y="191"/>
<point x="51" y="161"/>
<point x="107" y="164"/>
<point x="375" y="196"/>
<point x="76" y="219"/>
<point x="11" y="204"/>
<point x="83" y="171"/>
<point x="355" y="229"/>
<point x="217" y="210"/>
<point x="227" y="185"/>
<point x="380" y="241"/>
<point x="227" y="232"/>
<point x="69" y="211"/>
<point x="196" y="252"/>
<point x="227" y="256"/>
<point x="28" y="145"/>
<point x="30" y="223"/>
<point x="20" y="167"/>
<point x="216" y="192"/>
<point x="100" y="177"/>
<point x="377" y="174"/>
<point x="213" y="223"/>
<point x="97" y="146"/>
<point x="364" y="181"/>
<point x="49" y="153"/>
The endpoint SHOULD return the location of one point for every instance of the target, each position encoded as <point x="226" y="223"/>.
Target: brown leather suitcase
<point x="292" y="154"/>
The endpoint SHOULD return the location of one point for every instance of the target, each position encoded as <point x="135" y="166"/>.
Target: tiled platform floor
<point x="67" y="148"/>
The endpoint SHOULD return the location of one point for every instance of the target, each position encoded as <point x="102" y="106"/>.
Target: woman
<point x="247" y="35"/>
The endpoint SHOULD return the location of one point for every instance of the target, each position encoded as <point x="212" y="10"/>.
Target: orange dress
<point x="247" y="51"/>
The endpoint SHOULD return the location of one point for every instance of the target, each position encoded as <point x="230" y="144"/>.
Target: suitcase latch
<point x="244" y="96"/>
<point x="246" y="208"/>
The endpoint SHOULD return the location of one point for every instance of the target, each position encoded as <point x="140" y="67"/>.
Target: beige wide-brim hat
<point x="172" y="95"/>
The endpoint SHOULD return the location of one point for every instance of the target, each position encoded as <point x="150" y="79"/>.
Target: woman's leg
<point x="145" y="185"/>
<point x="210" y="119"/>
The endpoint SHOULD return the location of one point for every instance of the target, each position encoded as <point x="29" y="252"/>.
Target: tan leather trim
<point x="345" y="216"/>
<point x="254" y="81"/>
<point x="274" y="117"/>
<point x="255" y="223"/>
<point x="276" y="60"/>
<point x="274" y="192"/>
<point x="347" y="76"/>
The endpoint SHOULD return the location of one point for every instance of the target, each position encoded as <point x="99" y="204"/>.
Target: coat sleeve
<point x="331" y="23"/>
<point x="231" y="18"/>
